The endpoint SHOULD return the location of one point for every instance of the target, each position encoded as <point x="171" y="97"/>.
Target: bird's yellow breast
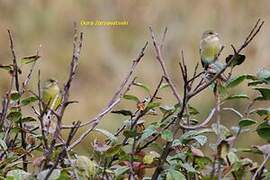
<point x="210" y="48"/>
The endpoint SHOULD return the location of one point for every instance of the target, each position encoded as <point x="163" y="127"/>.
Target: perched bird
<point x="210" y="46"/>
<point x="51" y="98"/>
<point x="51" y="94"/>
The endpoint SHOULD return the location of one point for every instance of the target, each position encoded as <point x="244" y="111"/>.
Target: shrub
<point x="171" y="147"/>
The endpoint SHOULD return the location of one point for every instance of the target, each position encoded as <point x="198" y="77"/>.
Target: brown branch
<point x="77" y="46"/>
<point x="261" y="167"/>
<point x="161" y="61"/>
<point x="17" y="86"/>
<point x="202" y="124"/>
<point x="115" y="100"/>
<point x="14" y="60"/>
<point x="28" y="77"/>
<point x="63" y="152"/>
<point x="116" y="97"/>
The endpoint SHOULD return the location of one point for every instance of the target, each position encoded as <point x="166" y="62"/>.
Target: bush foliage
<point x="172" y="146"/>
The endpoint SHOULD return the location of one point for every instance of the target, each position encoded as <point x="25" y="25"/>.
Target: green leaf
<point x="6" y="67"/>
<point x="3" y="145"/>
<point x="29" y="59"/>
<point x="232" y="157"/>
<point x="113" y="150"/>
<point x="64" y="175"/>
<point x="201" y="139"/>
<point x="237" y="59"/>
<point x="131" y="97"/>
<point x="18" y="174"/>
<point x="265" y="92"/>
<point x="28" y="119"/>
<point x="15" y="95"/>
<point x="129" y="133"/>
<point x="189" y="168"/>
<point x="142" y="86"/>
<point x="192" y="110"/>
<point x="107" y="133"/>
<point x="256" y="82"/>
<point x="237" y="96"/>
<point x="237" y="80"/>
<point x="224" y="131"/>
<point x="167" y="135"/>
<point x="174" y="175"/>
<point x="176" y="142"/>
<point x="149" y="131"/>
<point x="266" y="176"/>
<point x="123" y="112"/>
<point x="190" y="134"/>
<point x="166" y="109"/>
<point x="263" y="73"/>
<point x="261" y="111"/>
<point x="121" y="170"/>
<point x="263" y="130"/>
<point x="164" y="85"/>
<point x="202" y="162"/>
<point x="246" y="122"/>
<point x="28" y="100"/>
<point x="152" y="105"/>
<point x="14" y="116"/>
<point x="54" y="176"/>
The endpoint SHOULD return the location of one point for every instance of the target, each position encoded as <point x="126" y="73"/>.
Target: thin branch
<point x="17" y="86"/>
<point x="163" y="38"/>
<point x="261" y="167"/>
<point x="63" y="152"/>
<point x="163" y="66"/>
<point x="77" y="46"/>
<point x="27" y="80"/>
<point x="14" y="60"/>
<point x="202" y="124"/>
<point x="233" y="110"/>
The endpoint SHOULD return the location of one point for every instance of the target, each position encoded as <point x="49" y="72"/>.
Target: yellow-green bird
<point x="210" y="46"/>
<point x="51" y="94"/>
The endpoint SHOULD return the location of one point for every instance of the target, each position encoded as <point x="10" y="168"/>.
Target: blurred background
<point x="108" y="51"/>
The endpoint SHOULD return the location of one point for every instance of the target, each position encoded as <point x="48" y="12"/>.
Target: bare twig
<point x="116" y="97"/>
<point x="27" y="80"/>
<point x="17" y="86"/>
<point x="202" y="124"/>
<point x="14" y="60"/>
<point x="161" y="61"/>
<point x="63" y="152"/>
<point x="77" y="46"/>
<point x="95" y="123"/>
<point x="163" y="38"/>
<point x="115" y="100"/>
<point x="261" y="167"/>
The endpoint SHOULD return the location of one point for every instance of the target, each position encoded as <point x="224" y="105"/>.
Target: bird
<point x="51" y="94"/>
<point x="210" y="46"/>
<point x="51" y="100"/>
